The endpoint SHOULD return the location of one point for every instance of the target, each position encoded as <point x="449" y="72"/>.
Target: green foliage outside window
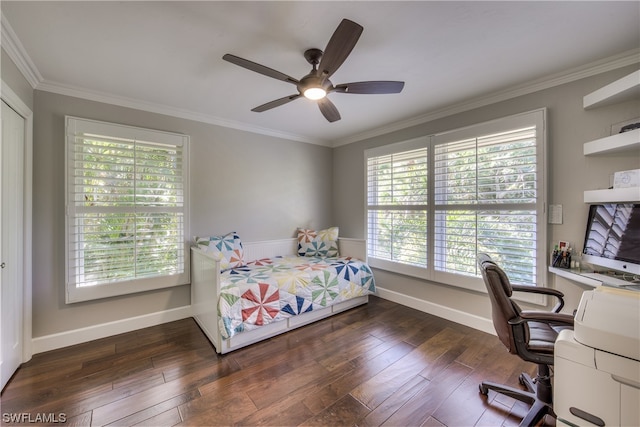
<point x="129" y="198"/>
<point x="484" y="200"/>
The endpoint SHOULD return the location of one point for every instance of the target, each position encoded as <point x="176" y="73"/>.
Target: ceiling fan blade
<point x="328" y="110"/>
<point x="275" y="103"/>
<point x="253" y="66"/>
<point x="339" y="47"/>
<point x="373" y="87"/>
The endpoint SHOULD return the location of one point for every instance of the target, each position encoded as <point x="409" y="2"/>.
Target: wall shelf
<point x="613" y="195"/>
<point x="621" y="90"/>
<point x="620" y="142"/>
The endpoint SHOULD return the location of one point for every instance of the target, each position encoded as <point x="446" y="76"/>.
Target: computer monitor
<point x="612" y="238"/>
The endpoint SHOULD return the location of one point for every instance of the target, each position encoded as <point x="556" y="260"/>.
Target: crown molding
<point x="608" y="64"/>
<point x="18" y="54"/>
<point x="106" y="98"/>
<point x="14" y="48"/>
<point x="16" y="51"/>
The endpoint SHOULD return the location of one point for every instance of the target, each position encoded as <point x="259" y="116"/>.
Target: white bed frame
<point x="205" y="289"/>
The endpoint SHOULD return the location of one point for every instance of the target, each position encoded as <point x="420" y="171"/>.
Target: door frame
<point x="14" y="101"/>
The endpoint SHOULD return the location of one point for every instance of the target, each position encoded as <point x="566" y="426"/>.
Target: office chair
<point x="529" y="334"/>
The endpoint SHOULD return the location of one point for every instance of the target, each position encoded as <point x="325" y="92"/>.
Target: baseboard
<point x="458" y="316"/>
<point x="77" y="336"/>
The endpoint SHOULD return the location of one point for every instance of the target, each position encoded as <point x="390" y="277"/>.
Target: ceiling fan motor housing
<point x="314" y="79"/>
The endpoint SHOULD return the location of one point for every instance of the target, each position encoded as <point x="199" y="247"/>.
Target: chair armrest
<point x="544" y="317"/>
<point x="544" y="291"/>
<point x="537" y="290"/>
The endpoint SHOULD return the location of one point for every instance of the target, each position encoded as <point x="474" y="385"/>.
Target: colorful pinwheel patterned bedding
<point x="268" y="290"/>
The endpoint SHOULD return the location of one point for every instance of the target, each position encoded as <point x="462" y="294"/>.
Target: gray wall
<point x="262" y="187"/>
<point x="569" y="172"/>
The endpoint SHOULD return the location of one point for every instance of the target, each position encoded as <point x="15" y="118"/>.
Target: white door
<point x="11" y="250"/>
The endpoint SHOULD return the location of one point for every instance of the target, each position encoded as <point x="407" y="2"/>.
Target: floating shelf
<point x="614" y="195"/>
<point x="620" y="142"/>
<point x="621" y="90"/>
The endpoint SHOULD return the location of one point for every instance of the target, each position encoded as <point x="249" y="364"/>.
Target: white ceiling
<point x="167" y="56"/>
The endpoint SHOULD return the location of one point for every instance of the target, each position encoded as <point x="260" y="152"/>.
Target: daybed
<point x="257" y="290"/>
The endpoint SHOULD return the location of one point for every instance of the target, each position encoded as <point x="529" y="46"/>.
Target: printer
<point x="597" y="364"/>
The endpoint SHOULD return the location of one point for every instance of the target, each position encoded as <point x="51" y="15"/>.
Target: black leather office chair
<point x="529" y="334"/>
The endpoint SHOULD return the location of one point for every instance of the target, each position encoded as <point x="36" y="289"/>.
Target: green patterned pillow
<point x="322" y="243"/>
<point x="227" y="249"/>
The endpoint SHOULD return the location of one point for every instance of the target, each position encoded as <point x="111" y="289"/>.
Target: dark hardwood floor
<point x="379" y="364"/>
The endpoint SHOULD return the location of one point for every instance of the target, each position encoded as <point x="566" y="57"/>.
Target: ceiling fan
<point x="316" y="85"/>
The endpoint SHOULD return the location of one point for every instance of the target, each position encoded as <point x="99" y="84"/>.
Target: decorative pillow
<point x="227" y="249"/>
<point x="322" y="243"/>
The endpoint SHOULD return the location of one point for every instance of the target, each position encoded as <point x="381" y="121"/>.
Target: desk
<point x="597" y="365"/>
<point x="587" y="277"/>
<point x="574" y="275"/>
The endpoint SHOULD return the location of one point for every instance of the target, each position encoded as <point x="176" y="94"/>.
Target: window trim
<point x="537" y="117"/>
<point x="76" y="125"/>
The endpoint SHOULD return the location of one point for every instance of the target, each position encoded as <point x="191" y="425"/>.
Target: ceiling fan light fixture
<point x="314" y="93"/>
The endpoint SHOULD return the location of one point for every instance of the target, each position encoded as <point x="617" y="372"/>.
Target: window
<point x="127" y="214"/>
<point x="434" y="203"/>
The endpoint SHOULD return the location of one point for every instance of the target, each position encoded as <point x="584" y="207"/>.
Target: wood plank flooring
<point x="379" y="364"/>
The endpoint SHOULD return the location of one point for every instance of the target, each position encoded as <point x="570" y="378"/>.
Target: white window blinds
<point x="397" y="200"/>
<point x="485" y="201"/>
<point x="434" y="203"/>
<point x="126" y="209"/>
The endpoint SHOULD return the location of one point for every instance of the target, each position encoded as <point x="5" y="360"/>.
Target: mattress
<point x="273" y="289"/>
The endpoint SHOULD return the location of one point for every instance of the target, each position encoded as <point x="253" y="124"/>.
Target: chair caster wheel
<point x="522" y="380"/>
<point x="483" y="390"/>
